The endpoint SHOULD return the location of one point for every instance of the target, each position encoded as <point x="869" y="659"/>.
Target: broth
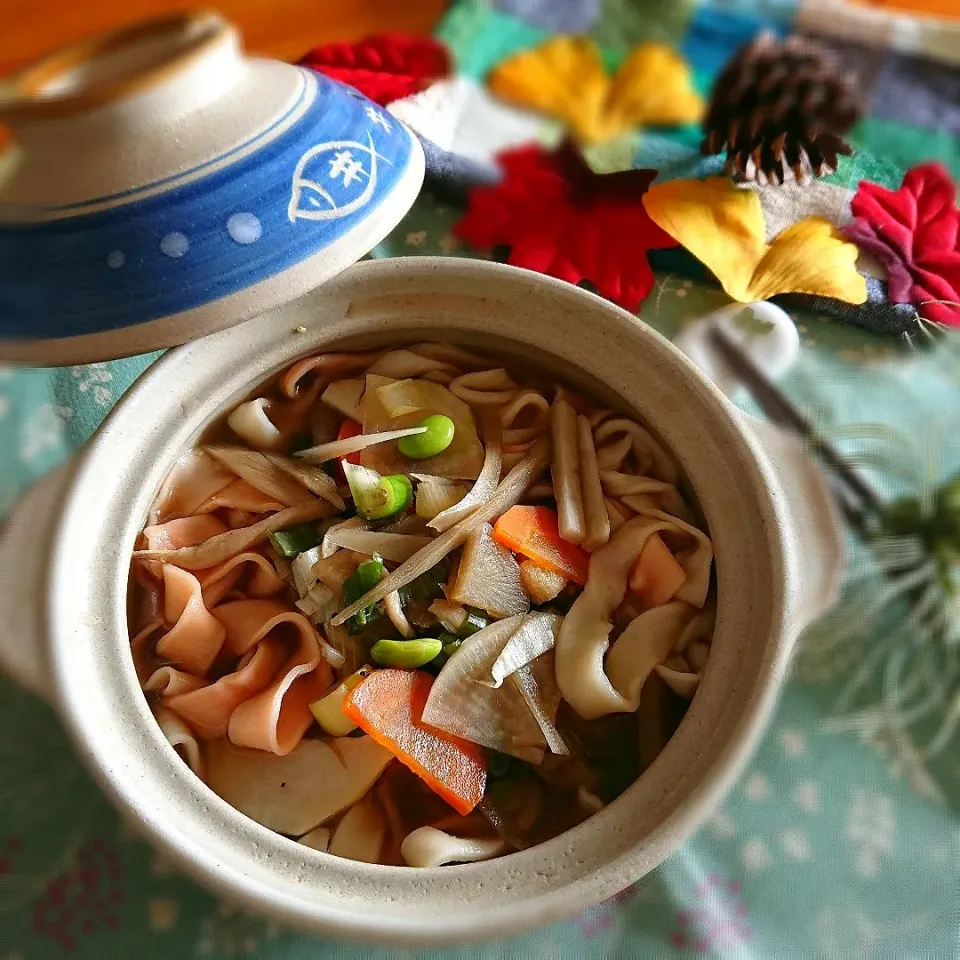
<point x="413" y="607"/>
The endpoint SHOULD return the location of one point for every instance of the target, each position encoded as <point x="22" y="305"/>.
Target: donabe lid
<point x="163" y="186"/>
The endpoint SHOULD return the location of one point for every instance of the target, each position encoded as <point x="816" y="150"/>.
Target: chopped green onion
<point x="294" y="540"/>
<point x="405" y="654"/>
<point x="377" y="497"/>
<point x="426" y="588"/>
<point x="438" y="436"/>
<point x="367" y="575"/>
<point x="475" y="622"/>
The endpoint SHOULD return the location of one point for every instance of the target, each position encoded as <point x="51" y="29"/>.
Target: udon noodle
<point x="412" y="607"/>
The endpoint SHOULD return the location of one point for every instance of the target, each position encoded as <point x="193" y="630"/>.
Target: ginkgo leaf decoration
<point x="565" y="78"/>
<point x="722" y="226"/>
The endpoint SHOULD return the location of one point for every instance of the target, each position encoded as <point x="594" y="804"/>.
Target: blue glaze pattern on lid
<point x="205" y="237"/>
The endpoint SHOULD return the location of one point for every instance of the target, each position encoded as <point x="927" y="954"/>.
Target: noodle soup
<point x="412" y="607"/>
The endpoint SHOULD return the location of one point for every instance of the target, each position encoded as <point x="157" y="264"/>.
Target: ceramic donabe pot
<point x="777" y="564"/>
<point x="164" y="186"/>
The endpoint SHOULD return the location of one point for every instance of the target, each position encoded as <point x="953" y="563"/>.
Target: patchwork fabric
<point x="841" y="838"/>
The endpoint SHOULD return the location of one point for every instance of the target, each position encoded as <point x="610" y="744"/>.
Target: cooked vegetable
<point x="361" y="832"/>
<point x="395" y="547"/>
<point x="424" y="589"/>
<point x="327" y="547"/>
<point x="367" y="575"/>
<point x="464" y="702"/>
<point x="302" y="568"/>
<point x="534" y="637"/>
<point x="261" y="473"/>
<point x="533" y="532"/>
<point x="539" y="584"/>
<point x="295" y="793"/>
<point x="319" y="603"/>
<point x="657" y="576"/>
<point x="405" y="654"/>
<point x="388" y="705"/>
<point x="436" y="495"/>
<point x="429" y="847"/>
<point x="344" y="396"/>
<point x="345" y="446"/>
<point x="452" y="616"/>
<point x="537" y="682"/>
<point x="435" y="435"/>
<point x="596" y="521"/>
<point x="292" y="541"/>
<point x="350" y="428"/>
<point x="486" y="483"/>
<point x="337" y="568"/>
<point x="328" y="711"/>
<point x="225" y="546"/>
<point x="566" y="471"/>
<point x="488" y="577"/>
<point x="251" y="422"/>
<point x="394" y="608"/>
<point x="508" y="493"/>
<point x="462" y="460"/>
<point x="377" y="497"/>
<point x="317" y="839"/>
<point x="309" y="476"/>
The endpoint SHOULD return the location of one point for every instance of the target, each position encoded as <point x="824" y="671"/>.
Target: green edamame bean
<point x="438" y="437"/>
<point x="406" y="654"/>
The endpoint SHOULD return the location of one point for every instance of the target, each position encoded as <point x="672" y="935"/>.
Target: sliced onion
<point x="436" y="495"/>
<point x="452" y="616"/>
<point x="429" y="847"/>
<point x="494" y="717"/>
<point x="534" y="637"/>
<point x="397" y="617"/>
<point x="225" y="546"/>
<point x="509" y="493"/>
<point x="486" y="483"/>
<point x="345" y="397"/>
<point x="335" y="569"/>
<point x="259" y="472"/>
<point x="343" y="448"/>
<point x="320" y="603"/>
<point x="251" y="422"/>
<point x="391" y="546"/>
<point x="328" y="548"/>
<point x="313" y="478"/>
<point x="295" y="793"/>
<point x="302" y="568"/>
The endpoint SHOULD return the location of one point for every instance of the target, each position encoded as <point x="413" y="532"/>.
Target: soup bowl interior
<point x="527" y="319"/>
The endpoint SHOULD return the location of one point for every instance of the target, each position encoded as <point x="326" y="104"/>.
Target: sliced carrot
<point x="388" y="705"/>
<point x="534" y="533"/>
<point x="348" y="430"/>
<point x="656" y="576"/>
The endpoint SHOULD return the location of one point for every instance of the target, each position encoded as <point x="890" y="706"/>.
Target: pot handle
<point x="814" y="531"/>
<point x="25" y="547"/>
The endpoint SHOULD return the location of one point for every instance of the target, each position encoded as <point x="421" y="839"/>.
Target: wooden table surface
<point x="277" y="28"/>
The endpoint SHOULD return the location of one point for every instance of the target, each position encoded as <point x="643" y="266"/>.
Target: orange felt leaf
<point x="723" y="227"/>
<point x="565" y="78"/>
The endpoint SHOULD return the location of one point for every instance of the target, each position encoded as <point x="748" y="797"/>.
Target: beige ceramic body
<point x="777" y="564"/>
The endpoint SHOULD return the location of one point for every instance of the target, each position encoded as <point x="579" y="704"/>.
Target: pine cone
<point x="781" y="105"/>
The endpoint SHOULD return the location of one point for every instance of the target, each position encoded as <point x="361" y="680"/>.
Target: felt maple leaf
<point x="723" y="227"/>
<point x="560" y="218"/>
<point x="565" y="78"/>
<point x="383" y="67"/>
<point x="915" y="233"/>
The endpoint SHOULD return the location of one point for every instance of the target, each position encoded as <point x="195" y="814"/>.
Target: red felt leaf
<point x="560" y="218"/>
<point x="383" y="67"/>
<point x="915" y="233"/>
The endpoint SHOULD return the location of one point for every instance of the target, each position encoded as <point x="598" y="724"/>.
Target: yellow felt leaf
<point x="564" y="77"/>
<point x="654" y="87"/>
<point x="722" y="226"/>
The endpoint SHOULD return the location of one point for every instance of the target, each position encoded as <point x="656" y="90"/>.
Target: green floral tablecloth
<point x="836" y="842"/>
